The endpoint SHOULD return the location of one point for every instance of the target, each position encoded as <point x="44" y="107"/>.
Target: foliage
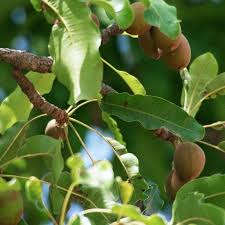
<point x="105" y="196"/>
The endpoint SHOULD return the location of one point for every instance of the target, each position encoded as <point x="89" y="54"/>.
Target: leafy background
<point x="202" y="23"/>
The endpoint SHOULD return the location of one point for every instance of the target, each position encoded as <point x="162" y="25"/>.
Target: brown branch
<point x="26" y="60"/>
<point x="110" y="31"/>
<point x="37" y="100"/>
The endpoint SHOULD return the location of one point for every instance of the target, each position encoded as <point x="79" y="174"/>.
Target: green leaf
<point x="36" y="4"/>
<point x="212" y="187"/>
<point x="112" y="124"/>
<point x="74" y="47"/>
<point x="22" y="222"/>
<point x="17" y="107"/>
<point x="154" y="202"/>
<point x="193" y="209"/>
<point x="222" y="145"/>
<point x="120" y="10"/>
<point x="11" y="141"/>
<point x="216" y="87"/>
<point x="133" y="83"/>
<point x="163" y="16"/>
<point x="203" y="70"/>
<point x="152" y="113"/>
<point x="41" y="145"/>
<point x="134" y="213"/>
<point x="56" y="196"/>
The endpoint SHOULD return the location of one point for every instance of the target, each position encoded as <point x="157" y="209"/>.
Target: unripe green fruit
<point x="11" y="207"/>
<point x="189" y="160"/>
<point x="179" y="58"/>
<point x="147" y="44"/>
<point x="95" y="19"/>
<point x="163" y="42"/>
<point x="173" y="184"/>
<point x="55" y="131"/>
<point x="139" y="26"/>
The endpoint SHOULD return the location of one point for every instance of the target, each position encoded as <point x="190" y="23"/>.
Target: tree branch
<point x="26" y="60"/>
<point x="37" y="100"/>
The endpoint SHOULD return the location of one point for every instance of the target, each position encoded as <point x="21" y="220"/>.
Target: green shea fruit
<point x="173" y="184"/>
<point x="139" y="26"/>
<point x="189" y="160"/>
<point x="11" y="207"/>
<point x="163" y="42"/>
<point x="179" y="58"/>
<point x="55" y="131"/>
<point x="148" y="45"/>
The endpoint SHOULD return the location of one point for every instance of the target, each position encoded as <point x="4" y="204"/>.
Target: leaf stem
<point x="219" y="123"/>
<point x="48" y="213"/>
<point x="80" y="105"/>
<point x="88" y="211"/>
<point x="102" y="136"/>
<point x="66" y="202"/>
<point x="68" y="142"/>
<point x="82" y="143"/>
<point x="185" y="76"/>
<point x="212" y="146"/>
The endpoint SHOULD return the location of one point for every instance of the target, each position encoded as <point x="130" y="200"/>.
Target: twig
<point x="26" y="60"/>
<point x="110" y="31"/>
<point x="37" y="100"/>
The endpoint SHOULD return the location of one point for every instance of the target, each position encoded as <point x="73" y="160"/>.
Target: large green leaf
<point x="192" y="209"/>
<point x="216" y="86"/>
<point x="56" y="197"/>
<point x="41" y="145"/>
<point x="120" y="10"/>
<point x="203" y="70"/>
<point x="153" y="112"/>
<point x="212" y="187"/>
<point x="74" y="46"/>
<point x="163" y="16"/>
<point x="17" y="107"/>
<point x="11" y="141"/>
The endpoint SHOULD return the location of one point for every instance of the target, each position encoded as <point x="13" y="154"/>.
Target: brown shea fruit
<point x="55" y="131"/>
<point x="189" y="160"/>
<point x="179" y="58"/>
<point x="139" y="26"/>
<point x="147" y="44"/>
<point x="163" y="42"/>
<point x="173" y="184"/>
<point x="95" y="19"/>
<point x="11" y="207"/>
